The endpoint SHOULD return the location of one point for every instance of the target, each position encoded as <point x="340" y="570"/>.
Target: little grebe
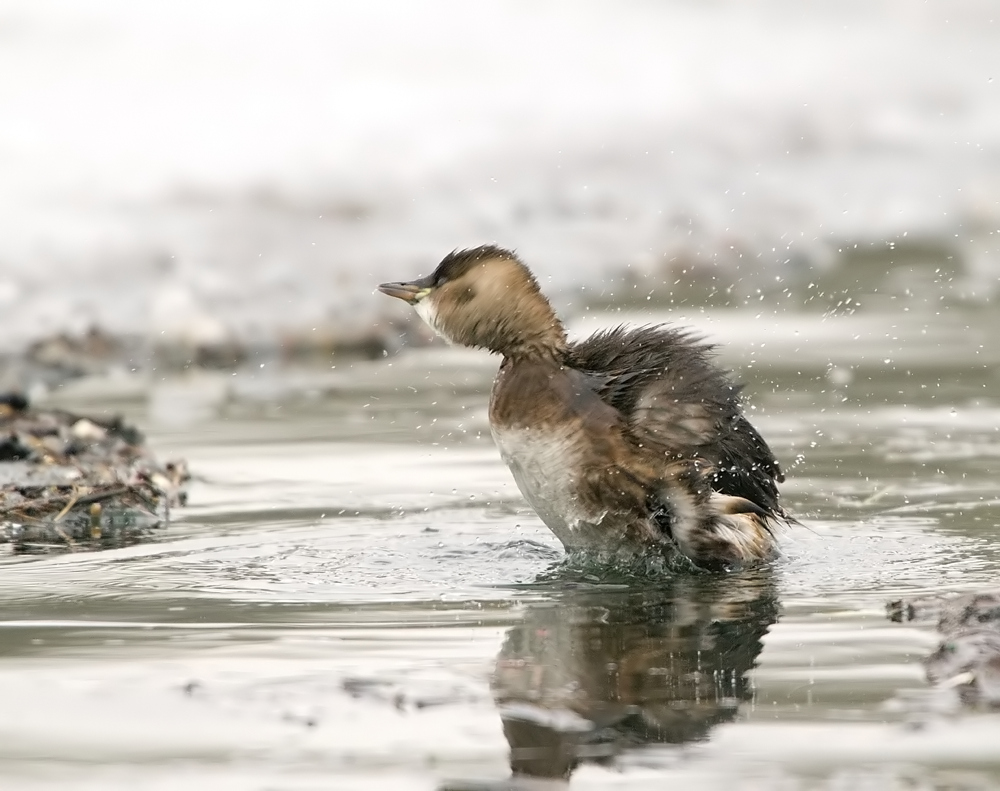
<point x="630" y="441"/>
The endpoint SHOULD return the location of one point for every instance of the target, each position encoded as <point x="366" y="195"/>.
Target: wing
<point x="675" y="398"/>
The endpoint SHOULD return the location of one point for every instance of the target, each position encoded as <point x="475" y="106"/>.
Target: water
<point x="358" y="598"/>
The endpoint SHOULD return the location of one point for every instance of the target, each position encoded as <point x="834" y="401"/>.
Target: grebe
<point x="631" y="441"/>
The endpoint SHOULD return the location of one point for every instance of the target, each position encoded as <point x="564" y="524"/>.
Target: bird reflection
<point x="596" y="671"/>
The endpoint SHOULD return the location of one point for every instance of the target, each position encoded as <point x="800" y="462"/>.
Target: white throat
<point x="425" y="309"/>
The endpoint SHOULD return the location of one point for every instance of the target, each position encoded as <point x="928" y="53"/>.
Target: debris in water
<point x="69" y="356"/>
<point x="966" y="664"/>
<point x="73" y="482"/>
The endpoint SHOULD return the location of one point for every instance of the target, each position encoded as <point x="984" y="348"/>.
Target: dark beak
<point x="408" y="292"/>
<point x="404" y="291"/>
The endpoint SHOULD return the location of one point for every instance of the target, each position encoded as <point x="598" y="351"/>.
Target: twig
<point x="68" y="507"/>
<point x="98" y="496"/>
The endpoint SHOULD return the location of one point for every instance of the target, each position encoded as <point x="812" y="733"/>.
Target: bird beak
<point x="408" y="292"/>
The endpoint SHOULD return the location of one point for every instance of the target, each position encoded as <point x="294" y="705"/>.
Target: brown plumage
<point x="630" y="441"/>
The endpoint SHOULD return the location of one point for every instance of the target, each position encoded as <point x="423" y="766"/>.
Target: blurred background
<point x="201" y="184"/>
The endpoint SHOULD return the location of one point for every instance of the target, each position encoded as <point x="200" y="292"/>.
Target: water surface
<point x="357" y="596"/>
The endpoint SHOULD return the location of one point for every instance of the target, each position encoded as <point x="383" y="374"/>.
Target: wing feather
<point x="675" y="398"/>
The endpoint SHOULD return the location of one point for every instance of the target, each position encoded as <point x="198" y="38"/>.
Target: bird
<point x="628" y="443"/>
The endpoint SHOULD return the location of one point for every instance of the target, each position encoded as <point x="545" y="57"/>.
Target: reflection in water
<point x="600" y="670"/>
